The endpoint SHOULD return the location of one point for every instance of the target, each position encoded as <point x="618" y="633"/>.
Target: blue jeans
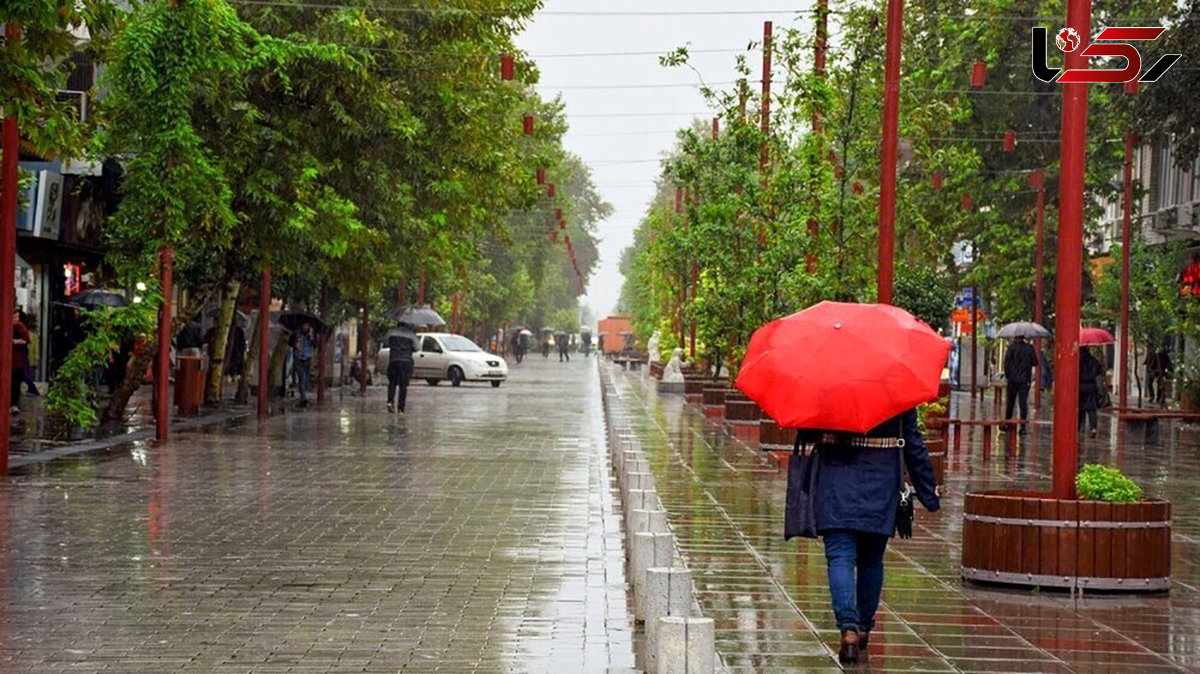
<point x="301" y="365"/>
<point x="855" y="600"/>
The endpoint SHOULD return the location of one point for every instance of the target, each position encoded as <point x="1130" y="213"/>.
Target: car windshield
<point x="457" y="343"/>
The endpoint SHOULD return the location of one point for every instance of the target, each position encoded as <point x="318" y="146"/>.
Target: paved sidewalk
<point x="477" y="534"/>
<point x="770" y="601"/>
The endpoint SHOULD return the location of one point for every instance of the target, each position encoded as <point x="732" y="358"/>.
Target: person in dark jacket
<point x="1019" y="362"/>
<point x="1090" y="371"/>
<point x="563" y="340"/>
<point x="858" y="492"/>
<point x="401" y="343"/>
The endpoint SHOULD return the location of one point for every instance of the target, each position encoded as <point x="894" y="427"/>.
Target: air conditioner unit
<point x="77" y="100"/>
<point x="1164" y="219"/>
<point x="1183" y="216"/>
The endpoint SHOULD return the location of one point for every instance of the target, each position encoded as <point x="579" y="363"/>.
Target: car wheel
<point x="432" y="382"/>
<point x="495" y="384"/>
<point x="456" y="375"/>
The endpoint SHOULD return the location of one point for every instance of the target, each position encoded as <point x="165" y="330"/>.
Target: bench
<point x="988" y="426"/>
<point x="628" y="362"/>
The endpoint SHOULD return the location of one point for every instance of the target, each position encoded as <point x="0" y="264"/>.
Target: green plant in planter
<point x="932" y="408"/>
<point x="1103" y="483"/>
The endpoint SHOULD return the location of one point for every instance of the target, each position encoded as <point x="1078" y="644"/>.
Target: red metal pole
<point x="323" y="341"/>
<point x="8" y="260"/>
<point x="364" y="342"/>
<point x="764" y="157"/>
<point x="822" y="32"/>
<point x="974" y="337"/>
<point x="1038" y="288"/>
<point x="716" y="128"/>
<point x="765" y="153"/>
<point x="887" y="179"/>
<point x="887" y="187"/>
<point x="1126" y="243"/>
<point x="1070" y="261"/>
<point x="264" y="358"/>
<point x="162" y="376"/>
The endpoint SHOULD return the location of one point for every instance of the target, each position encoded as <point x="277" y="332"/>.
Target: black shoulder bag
<point x="800" y="511"/>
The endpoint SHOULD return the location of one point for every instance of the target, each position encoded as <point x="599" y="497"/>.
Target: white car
<point x="441" y="355"/>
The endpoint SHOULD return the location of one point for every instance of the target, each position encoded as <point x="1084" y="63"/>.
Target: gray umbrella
<point x="416" y="315"/>
<point x="1022" y="329"/>
<point x="99" y="297"/>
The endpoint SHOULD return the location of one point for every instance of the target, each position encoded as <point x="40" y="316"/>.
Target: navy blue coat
<point x="858" y="488"/>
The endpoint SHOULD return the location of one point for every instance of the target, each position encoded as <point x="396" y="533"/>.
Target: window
<point x="460" y="344"/>
<point x="430" y="345"/>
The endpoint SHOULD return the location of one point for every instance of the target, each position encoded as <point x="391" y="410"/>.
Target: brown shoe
<point x="848" y="653"/>
<point x="864" y="639"/>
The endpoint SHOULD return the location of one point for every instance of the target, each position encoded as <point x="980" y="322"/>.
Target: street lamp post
<point x="1073" y="160"/>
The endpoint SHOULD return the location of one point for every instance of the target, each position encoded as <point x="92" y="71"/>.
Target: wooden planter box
<point x="740" y="410"/>
<point x="772" y="438"/>
<point x="1030" y="539"/>
<point x="693" y="386"/>
<point x="656" y="370"/>
<point x="714" y="397"/>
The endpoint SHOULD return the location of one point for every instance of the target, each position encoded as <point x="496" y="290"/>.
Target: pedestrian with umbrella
<point x="518" y="343"/>
<point x="547" y="341"/>
<point x="1019" y="361"/>
<point x="305" y="328"/>
<point x="1092" y="393"/>
<point x="563" y="340"/>
<point x="849" y="377"/>
<point x="585" y="337"/>
<point x="402" y="343"/>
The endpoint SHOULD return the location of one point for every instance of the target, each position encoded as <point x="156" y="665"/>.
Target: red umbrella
<point x="1095" y="337"/>
<point x="842" y="367"/>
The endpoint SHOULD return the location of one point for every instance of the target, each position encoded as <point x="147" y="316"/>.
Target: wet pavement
<point x="477" y="534"/>
<point x="770" y="601"/>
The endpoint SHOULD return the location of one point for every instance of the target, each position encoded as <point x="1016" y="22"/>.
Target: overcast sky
<point x="623" y="151"/>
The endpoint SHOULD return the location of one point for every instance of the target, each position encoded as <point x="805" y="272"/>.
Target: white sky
<point x="623" y="151"/>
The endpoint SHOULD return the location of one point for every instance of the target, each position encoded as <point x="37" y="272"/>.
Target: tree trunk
<point x="115" y="410"/>
<point x="250" y="368"/>
<point x="214" y="391"/>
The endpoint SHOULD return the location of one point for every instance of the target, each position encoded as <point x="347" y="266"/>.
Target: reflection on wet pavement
<point x="477" y="534"/>
<point x="770" y="600"/>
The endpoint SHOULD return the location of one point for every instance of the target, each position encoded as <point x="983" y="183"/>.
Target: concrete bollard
<point x="630" y="459"/>
<point x="668" y="593"/>
<point x="636" y="481"/>
<point x="685" y="646"/>
<point x="649" y="550"/>
<point x="645" y="521"/>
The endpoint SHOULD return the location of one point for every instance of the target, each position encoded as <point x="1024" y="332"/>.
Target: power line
<point x="675" y="85"/>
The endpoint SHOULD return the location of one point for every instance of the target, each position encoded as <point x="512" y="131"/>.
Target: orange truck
<point x="613" y="330"/>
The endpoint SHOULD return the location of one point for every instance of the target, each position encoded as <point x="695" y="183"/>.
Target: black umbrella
<point x="517" y="328"/>
<point x="562" y="333"/>
<point x="99" y="297"/>
<point x="585" y="329"/>
<point x="294" y="319"/>
<point x="416" y="315"/>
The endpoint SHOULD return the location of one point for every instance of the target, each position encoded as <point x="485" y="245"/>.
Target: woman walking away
<point x="401" y="343"/>
<point x="1090" y="370"/>
<point x="859" y="485"/>
<point x="20" y="357"/>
